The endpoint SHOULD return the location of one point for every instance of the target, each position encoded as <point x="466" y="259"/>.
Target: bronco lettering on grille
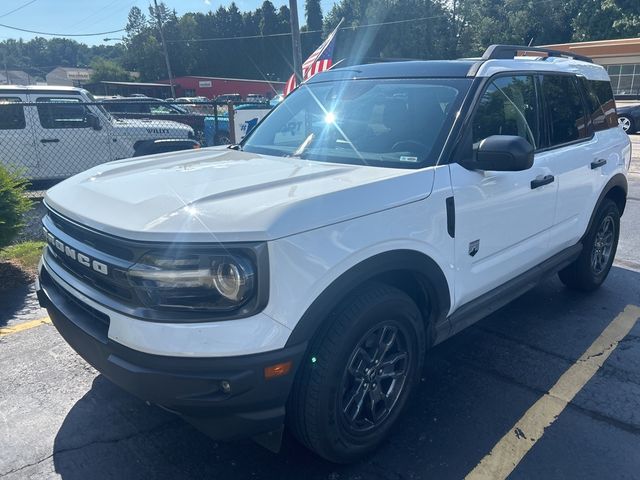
<point x="79" y="257"/>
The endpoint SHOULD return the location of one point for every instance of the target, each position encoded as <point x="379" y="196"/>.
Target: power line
<point x="355" y="27"/>
<point x="62" y="34"/>
<point x="307" y="32"/>
<point x="18" y="8"/>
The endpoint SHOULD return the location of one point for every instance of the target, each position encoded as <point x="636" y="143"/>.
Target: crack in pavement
<point x="94" y="442"/>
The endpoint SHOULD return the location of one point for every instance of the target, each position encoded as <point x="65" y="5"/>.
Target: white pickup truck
<point x="55" y="132"/>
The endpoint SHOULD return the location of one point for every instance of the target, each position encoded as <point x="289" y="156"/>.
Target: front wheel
<point x="626" y="123"/>
<point x="591" y="268"/>
<point x="358" y="375"/>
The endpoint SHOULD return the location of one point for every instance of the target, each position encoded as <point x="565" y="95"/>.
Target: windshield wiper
<point x="303" y="146"/>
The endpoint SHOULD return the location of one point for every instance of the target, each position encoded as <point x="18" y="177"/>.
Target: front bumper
<point x="226" y="397"/>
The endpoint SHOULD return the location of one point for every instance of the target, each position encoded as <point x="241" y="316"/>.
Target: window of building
<point x="11" y="114"/>
<point x="625" y="79"/>
<point x="566" y="115"/>
<point x="508" y="106"/>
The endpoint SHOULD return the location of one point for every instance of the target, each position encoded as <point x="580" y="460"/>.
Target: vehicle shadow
<point x="19" y="301"/>
<point x="474" y="388"/>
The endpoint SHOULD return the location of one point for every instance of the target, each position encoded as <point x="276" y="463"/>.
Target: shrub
<point x="13" y="205"/>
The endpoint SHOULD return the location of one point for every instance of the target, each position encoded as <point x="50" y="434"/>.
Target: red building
<point x="211" y="87"/>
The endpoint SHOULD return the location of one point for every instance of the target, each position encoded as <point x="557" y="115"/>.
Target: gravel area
<point x="33" y="226"/>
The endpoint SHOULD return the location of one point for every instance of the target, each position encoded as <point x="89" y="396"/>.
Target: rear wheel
<point x="359" y="374"/>
<point x="591" y="268"/>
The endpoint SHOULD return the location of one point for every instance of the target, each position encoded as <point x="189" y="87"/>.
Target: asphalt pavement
<point x="547" y="387"/>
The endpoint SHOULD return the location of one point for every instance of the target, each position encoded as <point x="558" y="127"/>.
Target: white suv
<point x="298" y="278"/>
<point x="55" y="132"/>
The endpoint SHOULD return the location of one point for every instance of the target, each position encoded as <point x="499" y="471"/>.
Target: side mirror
<point x="93" y="121"/>
<point x="502" y="153"/>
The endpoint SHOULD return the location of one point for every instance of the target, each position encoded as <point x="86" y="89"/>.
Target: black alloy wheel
<point x="374" y="377"/>
<point x="603" y="245"/>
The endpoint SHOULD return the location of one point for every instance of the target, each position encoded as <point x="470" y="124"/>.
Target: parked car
<point x="229" y="97"/>
<point x="276" y="100"/>
<point x="629" y="118"/>
<point x="256" y="98"/>
<point x="55" y="132"/>
<point x="154" y="108"/>
<point x="299" y="277"/>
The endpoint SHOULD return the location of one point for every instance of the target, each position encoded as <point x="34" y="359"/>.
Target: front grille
<point x="95" y="320"/>
<point x="97" y="249"/>
<point x="119" y="290"/>
<point x="91" y="238"/>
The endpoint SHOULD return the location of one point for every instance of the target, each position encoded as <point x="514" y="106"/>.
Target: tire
<point x="323" y="410"/>
<point x="627" y="124"/>
<point x="591" y="268"/>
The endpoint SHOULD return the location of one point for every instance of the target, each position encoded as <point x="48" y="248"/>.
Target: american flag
<point x="318" y="61"/>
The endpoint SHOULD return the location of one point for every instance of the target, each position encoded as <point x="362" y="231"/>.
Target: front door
<point x="17" y="148"/>
<point x="502" y="218"/>
<point x="67" y="141"/>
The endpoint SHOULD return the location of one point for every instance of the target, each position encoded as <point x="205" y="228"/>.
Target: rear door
<point x="68" y="143"/>
<point x="581" y="150"/>
<point x="502" y="218"/>
<point x="17" y="147"/>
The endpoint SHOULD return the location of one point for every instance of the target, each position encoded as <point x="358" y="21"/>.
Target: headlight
<point x="194" y="281"/>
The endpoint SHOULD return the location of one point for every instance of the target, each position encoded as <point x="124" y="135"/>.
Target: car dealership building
<point x="620" y="57"/>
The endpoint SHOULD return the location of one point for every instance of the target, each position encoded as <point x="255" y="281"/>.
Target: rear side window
<point x="508" y="106"/>
<point x="62" y="113"/>
<point x="602" y="106"/>
<point x="565" y="110"/>
<point x="11" y="114"/>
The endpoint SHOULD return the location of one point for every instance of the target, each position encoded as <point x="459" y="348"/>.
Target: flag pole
<point x="295" y="41"/>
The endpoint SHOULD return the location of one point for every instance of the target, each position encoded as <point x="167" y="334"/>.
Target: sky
<point x="82" y="16"/>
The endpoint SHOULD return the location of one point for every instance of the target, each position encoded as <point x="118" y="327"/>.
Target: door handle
<point x="542" y="181"/>
<point x="50" y="140"/>
<point x="598" y="163"/>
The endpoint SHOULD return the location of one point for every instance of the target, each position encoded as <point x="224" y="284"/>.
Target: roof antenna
<point x="530" y="42"/>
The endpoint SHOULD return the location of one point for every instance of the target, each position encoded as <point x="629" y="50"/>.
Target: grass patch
<point x="24" y="255"/>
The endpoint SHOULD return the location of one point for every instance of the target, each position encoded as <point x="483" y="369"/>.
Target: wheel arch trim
<point x="373" y="268"/>
<point x="616" y="183"/>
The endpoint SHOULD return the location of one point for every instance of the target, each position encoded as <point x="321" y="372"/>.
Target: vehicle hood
<point x="219" y="194"/>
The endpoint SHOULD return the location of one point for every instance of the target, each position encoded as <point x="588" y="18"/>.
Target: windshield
<point x="99" y="106"/>
<point x="389" y="123"/>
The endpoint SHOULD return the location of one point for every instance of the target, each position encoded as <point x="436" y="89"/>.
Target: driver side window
<point x="508" y="106"/>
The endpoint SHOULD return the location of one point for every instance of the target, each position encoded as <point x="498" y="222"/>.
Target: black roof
<point x="406" y="69"/>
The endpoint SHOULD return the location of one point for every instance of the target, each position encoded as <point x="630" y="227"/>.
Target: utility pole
<point x="295" y="40"/>
<point x="164" y="47"/>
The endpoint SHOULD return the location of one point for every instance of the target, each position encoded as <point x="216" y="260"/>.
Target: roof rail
<point x="508" y="52"/>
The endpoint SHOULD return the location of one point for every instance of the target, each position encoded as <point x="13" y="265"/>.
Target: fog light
<point x="277" y="370"/>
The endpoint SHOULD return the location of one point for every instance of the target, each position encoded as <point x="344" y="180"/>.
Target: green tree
<point x="13" y="205"/>
<point x="313" y="16"/>
<point x="108" y="70"/>
<point x="137" y="22"/>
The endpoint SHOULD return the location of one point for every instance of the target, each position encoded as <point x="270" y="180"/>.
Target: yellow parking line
<point x="511" y="449"/>
<point x="24" y="326"/>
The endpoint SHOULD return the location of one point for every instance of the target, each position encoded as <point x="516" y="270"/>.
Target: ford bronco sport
<point x="299" y="277"/>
